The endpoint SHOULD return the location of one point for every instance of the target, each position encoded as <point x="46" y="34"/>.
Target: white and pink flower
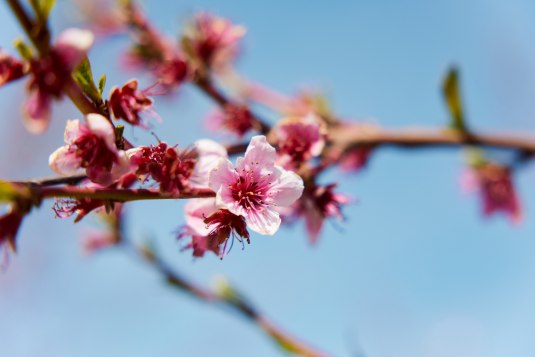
<point x="90" y="146"/>
<point x="256" y="186"/>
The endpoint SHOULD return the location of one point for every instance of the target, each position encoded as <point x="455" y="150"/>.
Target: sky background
<point x="415" y="271"/>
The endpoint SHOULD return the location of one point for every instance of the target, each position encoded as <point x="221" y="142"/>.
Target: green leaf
<point x="42" y="8"/>
<point x="10" y="192"/>
<point x="24" y="50"/>
<point x="84" y="77"/>
<point x="452" y="96"/>
<point x="101" y="84"/>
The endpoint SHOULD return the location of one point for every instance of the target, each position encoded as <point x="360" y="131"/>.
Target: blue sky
<point x="415" y="270"/>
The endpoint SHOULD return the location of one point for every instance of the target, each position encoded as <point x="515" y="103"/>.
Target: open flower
<point x="167" y="165"/>
<point x="128" y="102"/>
<point x="90" y="146"/>
<point x="50" y="73"/>
<point x="212" y="41"/>
<point x="256" y="186"/>
<point x="210" y="228"/>
<point x="496" y="188"/>
<point x="299" y="139"/>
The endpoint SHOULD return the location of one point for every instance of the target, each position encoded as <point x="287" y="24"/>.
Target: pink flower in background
<point x="10" y="68"/>
<point x="234" y="118"/>
<point x="95" y="241"/>
<point x="256" y="186"/>
<point x="171" y="72"/>
<point x="50" y="73"/>
<point x="316" y="205"/>
<point x="355" y="159"/>
<point x="212" y="40"/>
<point x="496" y="189"/>
<point x="299" y="139"/>
<point x="128" y="102"/>
<point x="90" y="146"/>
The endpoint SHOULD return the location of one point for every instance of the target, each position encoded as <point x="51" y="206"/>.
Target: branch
<point x="230" y="299"/>
<point x="118" y="195"/>
<point x="351" y="136"/>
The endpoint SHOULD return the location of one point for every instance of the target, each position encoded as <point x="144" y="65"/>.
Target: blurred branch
<point x="227" y="297"/>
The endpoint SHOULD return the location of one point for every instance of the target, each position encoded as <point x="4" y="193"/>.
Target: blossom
<point x="208" y="152"/>
<point x="212" y="41"/>
<point x="90" y="146"/>
<point x="496" y="188"/>
<point x="171" y="72"/>
<point x="97" y="240"/>
<point x="299" y="139"/>
<point x="10" y="68"/>
<point x="50" y="73"/>
<point x="235" y="118"/>
<point x="318" y="204"/>
<point x="256" y="186"/>
<point x="210" y="228"/>
<point x="128" y="102"/>
<point x="167" y="165"/>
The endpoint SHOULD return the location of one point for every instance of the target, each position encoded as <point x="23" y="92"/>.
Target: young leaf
<point x="452" y="96"/>
<point x="24" y="50"/>
<point x="101" y="84"/>
<point x="84" y="77"/>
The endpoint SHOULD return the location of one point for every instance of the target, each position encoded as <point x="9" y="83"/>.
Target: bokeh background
<point x="414" y="271"/>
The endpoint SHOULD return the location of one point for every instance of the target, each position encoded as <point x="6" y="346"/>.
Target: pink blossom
<point x="256" y="186"/>
<point x="171" y="72"/>
<point x="355" y="159"/>
<point x="234" y="118"/>
<point x="10" y="68"/>
<point x="50" y="73"/>
<point x="208" y="153"/>
<point x="168" y="166"/>
<point x="210" y="228"/>
<point x="90" y="146"/>
<point x="317" y="204"/>
<point x="128" y="102"/>
<point x="212" y="40"/>
<point x="299" y="139"/>
<point x="496" y="188"/>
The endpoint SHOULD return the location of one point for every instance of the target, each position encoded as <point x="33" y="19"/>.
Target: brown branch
<point x="350" y="136"/>
<point x="232" y="300"/>
<point x="118" y="195"/>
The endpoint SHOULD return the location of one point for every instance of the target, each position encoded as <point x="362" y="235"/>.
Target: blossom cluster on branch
<point x="276" y="181"/>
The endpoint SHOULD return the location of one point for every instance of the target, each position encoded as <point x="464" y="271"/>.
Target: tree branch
<point x="232" y="300"/>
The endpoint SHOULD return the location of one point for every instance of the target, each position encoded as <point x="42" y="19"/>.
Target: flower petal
<point x="196" y="210"/>
<point x="287" y="189"/>
<point x="101" y="127"/>
<point x="266" y="222"/>
<point x="259" y="153"/>
<point x="64" y="162"/>
<point x="73" y="45"/>
<point x="37" y="112"/>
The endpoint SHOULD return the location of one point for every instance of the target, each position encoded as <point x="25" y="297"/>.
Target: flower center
<point x="248" y="193"/>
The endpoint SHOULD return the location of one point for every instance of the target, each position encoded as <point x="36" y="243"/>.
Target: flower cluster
<point x="247" y="195"/>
